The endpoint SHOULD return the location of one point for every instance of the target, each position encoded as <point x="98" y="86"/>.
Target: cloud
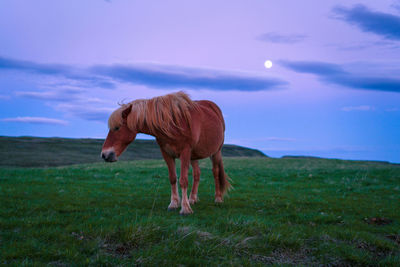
<point x="358" y="108"/>
<point x="273" y="37"/>
<point x="314" y="67"/>
<point x="99" y="114"/>
<point x="36" y="120"/>
<point x="65" y="71"/>
<point x="4" y="97"/>
<point x="335" y="74"/>
<point x="380" y="23"/>
<point x="164" y="76"/>
<point x="396" y="5"/>
<point x="151" y="75"/>
<point x="357" y="46"/>
<point x="55" y="95"/>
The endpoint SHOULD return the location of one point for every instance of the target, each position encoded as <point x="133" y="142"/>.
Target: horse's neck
<point x="158" y="134"/>
<point x="145" y="130"/>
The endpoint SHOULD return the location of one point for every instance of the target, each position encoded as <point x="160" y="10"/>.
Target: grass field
<point x="281" y="211"/>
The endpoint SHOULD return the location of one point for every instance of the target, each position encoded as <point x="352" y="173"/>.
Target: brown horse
<point x="184" y="129"/>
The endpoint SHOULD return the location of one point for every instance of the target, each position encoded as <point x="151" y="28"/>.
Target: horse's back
<point x="207" y="104"/>
<point x="208" y="130"/>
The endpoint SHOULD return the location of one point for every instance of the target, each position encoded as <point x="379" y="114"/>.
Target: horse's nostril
<point x="109" y="156"/>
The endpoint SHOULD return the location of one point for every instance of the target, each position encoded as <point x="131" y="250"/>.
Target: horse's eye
<point x="116" y="128"/>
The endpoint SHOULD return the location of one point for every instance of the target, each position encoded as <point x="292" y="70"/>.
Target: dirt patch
<point x="378" y="253"/>
<point x="285" y="256"/>
<point x="378" y="221"/>
<point x="120" y="250"/>
<point x="122" y="244"/>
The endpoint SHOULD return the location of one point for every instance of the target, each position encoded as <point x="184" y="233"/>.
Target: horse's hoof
<point x="174" y="205"/>
<point x="218" y="200"/>
<point x="185" y="212"/>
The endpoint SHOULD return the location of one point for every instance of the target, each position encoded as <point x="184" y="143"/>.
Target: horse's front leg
<point x="183" y="182"/>
<point x="196" y="178"/>
<point x="172" y="179"/>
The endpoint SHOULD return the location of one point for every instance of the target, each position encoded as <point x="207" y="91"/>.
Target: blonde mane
<point x="162" y="114"/>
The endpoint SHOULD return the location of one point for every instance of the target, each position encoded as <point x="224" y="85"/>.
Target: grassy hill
<point x="294" y="211"/>
<point x="44" y="152"/>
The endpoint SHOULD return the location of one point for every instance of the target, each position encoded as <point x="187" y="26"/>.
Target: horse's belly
<point x="208" y="144"/>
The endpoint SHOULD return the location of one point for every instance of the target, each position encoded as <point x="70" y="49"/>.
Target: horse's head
<point x="119" y="135"/>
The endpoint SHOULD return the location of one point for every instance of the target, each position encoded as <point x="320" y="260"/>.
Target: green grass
<point x="281" y="211"/>
<point x="50" y="152"/>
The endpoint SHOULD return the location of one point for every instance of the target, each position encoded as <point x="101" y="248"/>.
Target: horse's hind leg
<point x="175" y="201"/>
<point x="196" y="178"/>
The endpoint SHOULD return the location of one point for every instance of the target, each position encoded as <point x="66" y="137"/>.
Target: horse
<point x="183" y="128"/>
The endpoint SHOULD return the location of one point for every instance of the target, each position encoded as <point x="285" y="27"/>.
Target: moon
<point x="268" y="64"/>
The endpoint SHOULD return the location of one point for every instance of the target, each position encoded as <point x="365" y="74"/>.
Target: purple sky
<point x="333" y="90"/>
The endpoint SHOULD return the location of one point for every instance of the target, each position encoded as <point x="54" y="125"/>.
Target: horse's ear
<point x="126" y="112"/>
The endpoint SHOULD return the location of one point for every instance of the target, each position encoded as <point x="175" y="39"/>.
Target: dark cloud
<point x="51" y="69"/>
<point x="357" y="46"/>
<point x="383" y="24"/>
<point x="65" y="71"/>
<point x="274" y="37"/>
<point x="335" y="74"/>
<point x="160" y="76"/>
<point x="152" y="75"/>
<point x="371" y="83"/>
<point x="314" y="67"/>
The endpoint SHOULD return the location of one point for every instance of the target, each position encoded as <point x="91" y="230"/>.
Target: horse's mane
<point x="162" y="114"/>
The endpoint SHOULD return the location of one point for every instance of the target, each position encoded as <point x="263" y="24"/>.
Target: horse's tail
<point x="221" y="178"/>
<point x="224" y="179"/>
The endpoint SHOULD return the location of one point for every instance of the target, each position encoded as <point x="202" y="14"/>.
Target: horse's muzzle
<point x="109" y="156"/>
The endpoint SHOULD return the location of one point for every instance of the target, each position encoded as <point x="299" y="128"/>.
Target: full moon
<point x="268" y="64"/>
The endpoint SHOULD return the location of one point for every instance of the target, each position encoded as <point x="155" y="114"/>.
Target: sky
<point x="333" y="89"/>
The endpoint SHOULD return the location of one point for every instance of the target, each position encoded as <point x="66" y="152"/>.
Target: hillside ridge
<point x="27" y="151"/>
